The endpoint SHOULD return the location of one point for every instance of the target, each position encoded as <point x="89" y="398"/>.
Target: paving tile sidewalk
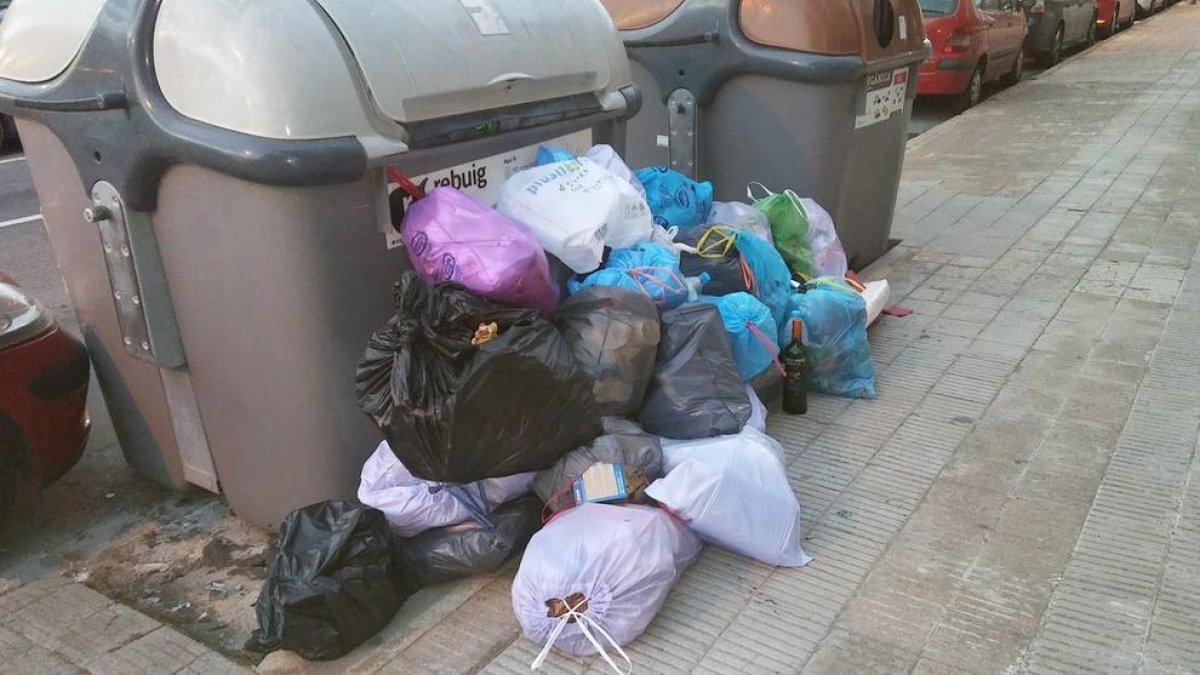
<point x="1024" y="496"/>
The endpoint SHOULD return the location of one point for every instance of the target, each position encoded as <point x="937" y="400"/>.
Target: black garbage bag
<point x="333" y="583"/>
<point x="455" y="412"/>
<point x="723" y="264"/>
<point x="614" y="334"/>
<point x="623" y="443"/>
<point x="696" y="391"/>
<point x="469" y="549"/>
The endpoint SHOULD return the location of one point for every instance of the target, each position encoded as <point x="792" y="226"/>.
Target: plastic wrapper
<point x="733" y="491"/>
<point x="696" y="391"/>
<point x="674" y="199"/>
<point x="758" y="414"/>
<point x="752" y="332"/>
<point x="456" y="412"/>
<point x="646" y="268"/>
<point x="614" y="335"/>
<point x="599" y="566"/>
<point x="413" y="505"/>
<point x="835" y="332"/>
<point x="451" y="237"/>
<point x="575" y="208"/>
<point x="741" y="217"/>
<point x="469" y="549"/>
<point x="623" y="443"/>
<point x="333" y="583"/>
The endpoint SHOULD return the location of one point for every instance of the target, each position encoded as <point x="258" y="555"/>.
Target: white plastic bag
<point x="413" y="505"/>
<point x="741" y="216"/>
<point x="576" y="208"/>
<point x="614" y="563"/>
<point x="758" y="411"/>
<point x="605" y="156"/>
<point x="829" y="258"/>
<point x="733" y="492"/>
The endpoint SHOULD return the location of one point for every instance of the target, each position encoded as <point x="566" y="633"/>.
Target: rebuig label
<point x="883" y="96"/>
<point x="481" y="178"/>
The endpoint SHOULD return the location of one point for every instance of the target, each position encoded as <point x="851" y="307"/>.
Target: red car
<point x="1113" y="15"/>
<point x="973" y="44"/>
<point x="44" y="375"/>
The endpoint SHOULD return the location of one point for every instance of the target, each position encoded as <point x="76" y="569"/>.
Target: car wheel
<point x="1013" y="76"/>
<point x="3" y="132"/>
<point x="1091" y="34"/>
<point x="969" y="96"/>
<point x="13" y="467"/>
<point x="1053" y="56"/>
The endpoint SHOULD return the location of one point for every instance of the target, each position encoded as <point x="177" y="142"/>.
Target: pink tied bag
<point x="451" y="237"/>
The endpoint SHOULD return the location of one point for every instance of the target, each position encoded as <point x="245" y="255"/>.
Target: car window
<point x="938" y="7"/>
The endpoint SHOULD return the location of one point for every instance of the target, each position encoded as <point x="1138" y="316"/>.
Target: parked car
<point x="1147" y="7"/>
<point x="44" y="374"/>
<point x="972" y="44"/>
<point x="1056" y="25"/>
<point x="1113" y="15"/>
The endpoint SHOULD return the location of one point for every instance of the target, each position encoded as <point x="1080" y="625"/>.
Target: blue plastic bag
<point x="674" y="199"/>
<point x="549" y="154"/>
<point x="751" y="331"/>
<point x="766" y="274"/>
<point x="646" y="268"/>
<point x="835" y="330"/>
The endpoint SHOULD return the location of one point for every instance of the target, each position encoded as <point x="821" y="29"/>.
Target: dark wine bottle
<point x="795" y="367"/>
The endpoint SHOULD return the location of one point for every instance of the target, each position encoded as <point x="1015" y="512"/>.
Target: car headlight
<point x="21" y="317"/>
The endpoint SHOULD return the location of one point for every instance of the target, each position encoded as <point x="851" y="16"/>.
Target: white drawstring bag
<point x="758" y="411"/>
<point x="607" y="157"/>
<point x="595" y="576"/>
<point x="575" y="208"/>
<point x="413" y="505"/>
<point x="733" y="491"/>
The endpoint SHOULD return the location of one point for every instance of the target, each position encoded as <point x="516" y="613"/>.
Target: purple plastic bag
<point x="451" y="237"/>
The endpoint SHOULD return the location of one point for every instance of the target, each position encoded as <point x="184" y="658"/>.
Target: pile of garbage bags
<point x="607" y="423"/>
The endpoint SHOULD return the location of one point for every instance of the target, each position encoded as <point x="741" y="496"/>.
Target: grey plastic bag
<point x="696" y="391"/>
<point x="468" y="549"/>
<point x="614" y="335"/>
<point x="623" y="443"/>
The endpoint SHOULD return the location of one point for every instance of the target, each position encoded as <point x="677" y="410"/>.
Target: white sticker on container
<point x="662" y="141"/>
<point x="483" y="177"/>
<point x="903" y="28"/>
<point x="487" y="19"/>
<point x="884" y="95"/>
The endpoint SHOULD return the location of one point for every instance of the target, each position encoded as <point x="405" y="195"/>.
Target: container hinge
<point x="681" y="125"/>
<point x="135" y="275"/>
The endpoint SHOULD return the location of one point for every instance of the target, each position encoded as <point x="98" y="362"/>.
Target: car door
<point x="1009" y="33"/>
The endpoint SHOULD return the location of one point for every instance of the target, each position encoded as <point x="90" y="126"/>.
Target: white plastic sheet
<point x="741" y="216"/>
<point x="758" y="412"/>
<point x="575" y="208"/>
<point x="413" y="505"/>
<point x="616" y="563"/>
<point x="733" y="491"/>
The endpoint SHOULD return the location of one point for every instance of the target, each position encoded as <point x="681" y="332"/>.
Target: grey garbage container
<point x="814" y="95"/>
<point x="213" y="179"/>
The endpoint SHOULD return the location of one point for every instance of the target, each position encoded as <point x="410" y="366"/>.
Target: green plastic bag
<point x="789" y="227"/>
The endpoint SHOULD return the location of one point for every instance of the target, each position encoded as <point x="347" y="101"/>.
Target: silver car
<point x="1056" y="25"/>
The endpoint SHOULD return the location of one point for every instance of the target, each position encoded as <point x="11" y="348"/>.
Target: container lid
<point x="281" y="70"/>
<point x="39" y="39"/>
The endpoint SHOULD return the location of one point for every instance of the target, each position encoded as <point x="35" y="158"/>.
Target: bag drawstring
<point x="772" y="348"/>
<point x="585" y="626"/>
<point x="476" y="505"/>
<point x="750" y="191"/>
<point x="643" y="278"/>
<point x="707" y="249"/>
<point x="397" y="176"/>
